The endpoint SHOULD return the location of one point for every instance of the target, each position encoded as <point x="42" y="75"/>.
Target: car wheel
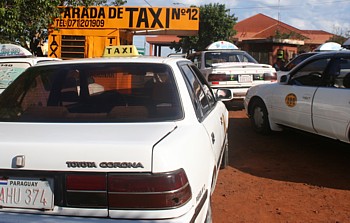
<point x="259" y="117"/>
<point x="224" y="159"/>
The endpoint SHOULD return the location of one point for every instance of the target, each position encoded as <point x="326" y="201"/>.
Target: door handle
<point x="212" y="137"/>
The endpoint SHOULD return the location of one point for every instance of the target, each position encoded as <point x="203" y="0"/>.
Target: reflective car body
<point x="313" y="97"/>
<point x="133" y="139"/>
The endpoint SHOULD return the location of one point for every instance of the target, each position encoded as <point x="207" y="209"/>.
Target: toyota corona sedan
<point x="313" y="97"/>
<point x="125" y="139"/>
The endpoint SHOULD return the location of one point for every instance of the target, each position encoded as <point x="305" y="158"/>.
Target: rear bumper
<point x="35" y="218"/>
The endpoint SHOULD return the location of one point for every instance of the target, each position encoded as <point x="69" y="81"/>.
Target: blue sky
<point x="329" y="15"/>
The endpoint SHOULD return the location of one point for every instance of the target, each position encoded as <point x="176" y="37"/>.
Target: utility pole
<point x="278" y="15"/>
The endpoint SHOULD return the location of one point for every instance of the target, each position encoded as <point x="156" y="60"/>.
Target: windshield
<point x="231" y="56"/>
<point x="110" y="92"/>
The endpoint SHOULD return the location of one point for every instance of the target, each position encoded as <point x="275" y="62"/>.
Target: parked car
<point x="124" y="139"/>
<point x="297" y="59"/>
<point x="313" y="97"/>
<point x="293" y="62"/>
<point x="233" y="69"/>
<point x="13" y="61"/>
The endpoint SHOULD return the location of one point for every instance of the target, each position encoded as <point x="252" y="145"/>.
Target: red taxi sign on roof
<point x="12" y="50"/>
<point x="220" y="45"/>
<point x="120" y="51"/>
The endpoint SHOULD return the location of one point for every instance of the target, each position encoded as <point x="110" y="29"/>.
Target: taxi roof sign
<point x="12" y="50"/>
<point x="220" y="45"/>
<point x="120" y="51"/>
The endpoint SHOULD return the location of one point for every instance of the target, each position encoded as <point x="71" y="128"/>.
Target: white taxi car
<point x="13" y="61"/>
<point x="313" y="97"/>
<point x="224" y="66"/>
<point x="127" y="139"/>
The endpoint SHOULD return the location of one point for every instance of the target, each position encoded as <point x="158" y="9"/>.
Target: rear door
<point x="210" y="113"/>
<point x="331" y="107"/>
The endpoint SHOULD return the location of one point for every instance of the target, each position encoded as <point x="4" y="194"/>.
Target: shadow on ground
<point x="289" y="156"/>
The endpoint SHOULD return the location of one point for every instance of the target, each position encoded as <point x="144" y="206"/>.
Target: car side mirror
<point x="223" y="94"/>
<point x="284" y="79"/>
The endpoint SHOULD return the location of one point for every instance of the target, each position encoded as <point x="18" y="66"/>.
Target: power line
<point x="147" y="3"/>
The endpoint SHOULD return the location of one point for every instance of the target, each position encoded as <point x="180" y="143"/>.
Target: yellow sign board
<point x="120" y="51"/>
<point x="136" y="18"/>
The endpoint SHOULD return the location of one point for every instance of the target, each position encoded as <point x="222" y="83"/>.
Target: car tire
<point x="224" y="159"/>
<point x="259" y="117"/>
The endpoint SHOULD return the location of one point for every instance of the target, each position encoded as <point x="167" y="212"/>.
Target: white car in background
<point x="313" y="97"/>
<point x="224" y="66"/>
<point x="132" y="139"/>
<point x="13" y="61"/>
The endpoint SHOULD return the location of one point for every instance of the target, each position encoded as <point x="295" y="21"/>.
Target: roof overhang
<point x="277" y="41"/>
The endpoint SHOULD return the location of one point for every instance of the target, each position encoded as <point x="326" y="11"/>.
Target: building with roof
<point x="268" y="39"/>
<point x="263" y="37"/>
<point x="157" y="42"/>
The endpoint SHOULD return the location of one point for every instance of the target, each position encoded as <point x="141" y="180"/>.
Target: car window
<point x="222" y="57"/>
<point x="202" y="96"/>
<point x="9" y="71"/>
<point x="295" y="61"/>
<point x="206" y="87"/>
<point x="339" y="73"/>
<point x="93" y="93"/>
<point x="312" y="74"/>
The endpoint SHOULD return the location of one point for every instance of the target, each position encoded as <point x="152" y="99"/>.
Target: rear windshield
<point x="229" y="56"/>
<point x="110" y="92"/>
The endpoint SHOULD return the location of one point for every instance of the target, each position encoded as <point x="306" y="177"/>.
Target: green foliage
<point x="290" y="35"/>
<point x="337" y="39"/>
<point x="215" y="23"/>
<point x="22" y="20"/>
<point x="119" y="2"/>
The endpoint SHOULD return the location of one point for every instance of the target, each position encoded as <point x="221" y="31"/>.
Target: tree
<point x="215" y="23"/>
<point x="23" y="21"/>
<point x="341" y="34"/>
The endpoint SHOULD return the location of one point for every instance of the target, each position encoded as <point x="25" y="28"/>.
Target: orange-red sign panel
<point x="138" y="18"/>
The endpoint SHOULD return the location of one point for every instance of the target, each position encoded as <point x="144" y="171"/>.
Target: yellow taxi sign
<point x="120" y="51"/>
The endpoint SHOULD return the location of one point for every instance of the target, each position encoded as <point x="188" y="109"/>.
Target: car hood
<point x="81" y="146"/>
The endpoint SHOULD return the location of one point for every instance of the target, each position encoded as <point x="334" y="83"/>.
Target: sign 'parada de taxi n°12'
<point x="84" y="32"/>
<point x="128" y="18"/>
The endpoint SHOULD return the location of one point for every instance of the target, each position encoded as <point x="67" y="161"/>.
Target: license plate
<point x="26" y="193"/>
<point x="245" y="78"/>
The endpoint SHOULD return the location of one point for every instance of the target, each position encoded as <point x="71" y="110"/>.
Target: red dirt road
<point x="284" y="177"/>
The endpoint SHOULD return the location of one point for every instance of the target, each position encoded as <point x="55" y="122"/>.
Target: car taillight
<point x="270" y="77"/>
<point x="150" y="191"/>
<point x="86" y="190"/>
<point x="128" y="191"/>
<point x="218" y="77"/>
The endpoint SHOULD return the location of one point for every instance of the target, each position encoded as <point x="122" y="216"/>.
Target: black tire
<point x="259" y="117"/>
<point x="224" y="159"/>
